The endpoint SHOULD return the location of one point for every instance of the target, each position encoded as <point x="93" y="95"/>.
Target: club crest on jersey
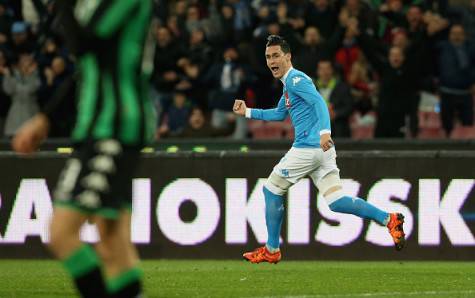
<point x="287" y="100"/>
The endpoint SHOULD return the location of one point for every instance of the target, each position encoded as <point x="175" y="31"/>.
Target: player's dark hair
<point x="276" y="40"/>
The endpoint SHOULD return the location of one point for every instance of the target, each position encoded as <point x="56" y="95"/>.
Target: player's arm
<point x="305" y="89"/>
<point x="34" y="131"/>
<point x="277" y="114"/>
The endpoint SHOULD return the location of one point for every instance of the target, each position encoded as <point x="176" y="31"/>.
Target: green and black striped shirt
<point x="114" y="51"/>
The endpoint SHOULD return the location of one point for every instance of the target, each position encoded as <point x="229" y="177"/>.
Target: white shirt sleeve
<point x="248" y="112"/>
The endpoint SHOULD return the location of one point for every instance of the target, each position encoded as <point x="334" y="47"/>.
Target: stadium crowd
<point x="394" y="68"/>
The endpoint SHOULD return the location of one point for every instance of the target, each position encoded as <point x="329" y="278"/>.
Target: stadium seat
<point x="362" y="127"/>
<point x="266" y="130"/>
<point x="254" y="124"/>
<point x="430" y="126"/>
<point x="429" y="120"/>
<point x="463" y="132"/>
<point x="288" y="129"/>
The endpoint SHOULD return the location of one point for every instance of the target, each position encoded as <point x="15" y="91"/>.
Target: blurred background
<point x="387" y="69"/>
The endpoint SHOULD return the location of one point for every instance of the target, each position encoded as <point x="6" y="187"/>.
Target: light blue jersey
<point x="308" y="111"/>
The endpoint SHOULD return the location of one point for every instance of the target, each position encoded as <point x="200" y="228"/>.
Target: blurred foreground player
<point x="115" y="119"/>
<point x="312" y="154"/>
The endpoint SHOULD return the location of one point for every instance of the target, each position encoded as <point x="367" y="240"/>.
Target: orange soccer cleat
<point x="262" y="254"/>
<point x="396" y="230"/>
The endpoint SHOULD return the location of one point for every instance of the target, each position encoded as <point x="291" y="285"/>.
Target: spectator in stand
<point x="227" y="80"/>
<point x="193" y="19"/>
<point x="166" y="72"/>
<point x="322" y="15"/>
<point x="196" y="62"/>
<point x="417" y="29"/>
<point x="399" y="75"/>
<point x="362" y="87"/>
<point x="54" y="76"/>
<point x="292" y="14"/>
<point x="393" y="16"/>
<point x="466" y="16"/>
<point x="176" y="117"/>
<point x="21" y="85"/>
<point x="199" y="127"/>
<point x="50" y="50"/>
<point x="229" y="33"/>
<point x="314" y="49"/>
<point x="410" y="48"/>
<point x="22" y="40"/>
<point x="415" y="25"/>
<point x="56" y="73"/>
<point x="338" y="97"/>
<point x="177" y="30"/>
<point x="457" y="78"/>
<point x="367" y="18"/>
<point x="242" y="19"/>
<point x="349" y="51"/>
<point x="180" y="11"/>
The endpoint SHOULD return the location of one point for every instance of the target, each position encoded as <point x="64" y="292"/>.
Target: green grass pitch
<point x="166" y="278"/>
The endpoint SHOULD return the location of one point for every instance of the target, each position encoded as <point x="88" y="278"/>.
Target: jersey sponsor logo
<point x="296" y="80"/>
<point x="285" y="172"/>
<point x="287" y="100"/>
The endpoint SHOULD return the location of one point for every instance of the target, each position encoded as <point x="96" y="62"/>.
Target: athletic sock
<point x="126" y="285"/>
<point x="84" y="266"/>
<point x="359" y="207"/>
<point x="274" y="217"/>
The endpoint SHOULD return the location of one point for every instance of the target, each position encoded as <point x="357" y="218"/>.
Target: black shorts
<point x="97" y="178"/>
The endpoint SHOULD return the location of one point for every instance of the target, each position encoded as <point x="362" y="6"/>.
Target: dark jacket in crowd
<point x="456" y="65"/>
<point x="398" y="86"/>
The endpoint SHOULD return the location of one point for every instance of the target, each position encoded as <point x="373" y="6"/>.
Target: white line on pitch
<point x="378" y="294"/>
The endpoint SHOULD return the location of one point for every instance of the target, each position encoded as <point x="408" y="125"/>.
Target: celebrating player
<point x="312" y="154"/>
<point x="115" y="119"/>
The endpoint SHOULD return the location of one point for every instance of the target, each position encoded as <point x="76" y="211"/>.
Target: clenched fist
<point x="239" y="107"/>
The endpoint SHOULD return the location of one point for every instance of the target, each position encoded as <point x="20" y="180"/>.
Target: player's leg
<point x="79" y="259"/>
<point x="328" y="182"/>
<point x="274" y="191"/>
<point x="119" y="256"/>
<point x="296" y="164"/>
<point x="338" y="201"/>
<point x="115" y="248"/>
<point x="69" y="215"/>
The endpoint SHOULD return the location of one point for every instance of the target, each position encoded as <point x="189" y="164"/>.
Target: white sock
<point x="386" y="221"/>
<point x="272" y="250"/>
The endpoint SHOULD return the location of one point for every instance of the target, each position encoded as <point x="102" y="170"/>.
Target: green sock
<point x="84" y="266"/>
<point x="126" y="284"/>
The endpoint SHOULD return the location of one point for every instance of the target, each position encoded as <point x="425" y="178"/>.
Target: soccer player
<point x="115" y="119"/>
<point x="312" y="154"/>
